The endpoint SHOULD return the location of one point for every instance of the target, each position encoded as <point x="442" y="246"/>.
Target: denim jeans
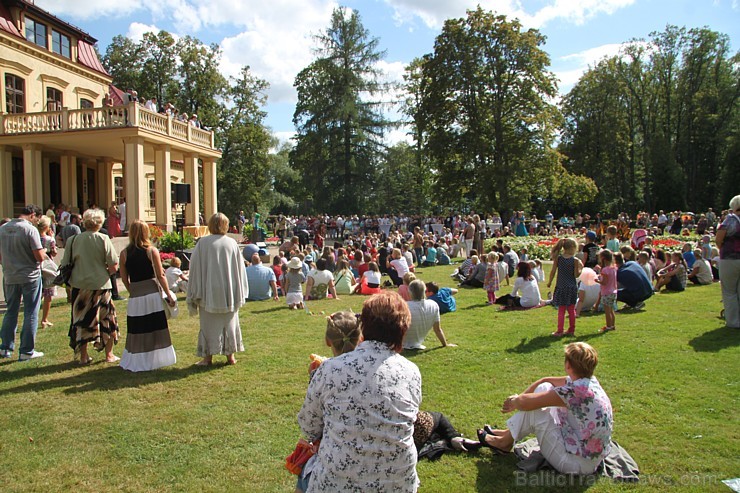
<point x="31" y="293"/>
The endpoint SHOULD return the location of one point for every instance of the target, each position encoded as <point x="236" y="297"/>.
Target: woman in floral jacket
<point x="571" y="416"/>
<point x="363" y="404"/>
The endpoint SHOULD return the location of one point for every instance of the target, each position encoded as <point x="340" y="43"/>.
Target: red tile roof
<point x="87" y="56"/>
<point x="6" y="22"/>
<point x="116" y="94"/>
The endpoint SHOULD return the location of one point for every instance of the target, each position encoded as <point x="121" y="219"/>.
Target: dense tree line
<point x="657" y="125"/>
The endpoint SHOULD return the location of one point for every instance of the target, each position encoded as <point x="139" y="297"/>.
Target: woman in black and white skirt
<point x="148" y="344"/>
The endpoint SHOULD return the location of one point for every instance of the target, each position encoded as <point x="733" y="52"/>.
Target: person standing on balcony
<point x="194" y="122"/>
<point x="151" y="105"/>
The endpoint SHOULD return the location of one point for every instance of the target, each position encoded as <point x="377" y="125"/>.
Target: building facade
<point x="63" y="138"/>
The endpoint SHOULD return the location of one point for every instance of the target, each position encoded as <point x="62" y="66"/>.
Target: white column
<point x="6" y="182"/>
<point x="163" y="188"/>
<point x="210" y="196"/>
<point x="32" y="176"/>
<point x="191" y="177"/>
<point x="134" y="179"/>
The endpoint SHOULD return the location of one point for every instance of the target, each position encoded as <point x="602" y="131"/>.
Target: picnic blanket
<point x="617" y="465"/>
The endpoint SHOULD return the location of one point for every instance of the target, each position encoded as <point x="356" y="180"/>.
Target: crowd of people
<point x="574" y="428"/>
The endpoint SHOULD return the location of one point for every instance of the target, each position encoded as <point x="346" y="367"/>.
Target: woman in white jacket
<point x="217" y="289"/>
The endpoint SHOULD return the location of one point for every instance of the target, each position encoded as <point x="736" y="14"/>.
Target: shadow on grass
<point x="540" y="342"/>
<point x="716" y="340"/>
<point x="501" y="474"/>
<point x="479" y="305"/>
<point x="105" y="378"/>
<point x="273" y="309"/>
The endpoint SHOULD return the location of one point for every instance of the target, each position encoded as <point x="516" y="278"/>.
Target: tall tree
<point x="123" y="60"/>
<point x="339" y="124"/>
<point x="486" y="103"/>
<point x="202" y="86"/>
<point x="245" y="180"/>
<point x="159" y="66"/>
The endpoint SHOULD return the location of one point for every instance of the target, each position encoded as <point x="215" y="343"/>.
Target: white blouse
<point x="363" y="405"/>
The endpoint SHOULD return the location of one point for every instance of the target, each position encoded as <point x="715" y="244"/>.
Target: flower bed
<point x="538" y="247"/>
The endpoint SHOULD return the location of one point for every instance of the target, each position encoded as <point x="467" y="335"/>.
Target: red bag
<point x="303" y="451"/>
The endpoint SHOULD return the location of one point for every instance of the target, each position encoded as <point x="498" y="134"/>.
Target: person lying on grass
<point x="571" y="416"/>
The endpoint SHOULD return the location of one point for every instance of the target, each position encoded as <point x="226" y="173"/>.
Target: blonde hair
<point x="408" y="277"/>
<point x="343" y="331"/>
<point x="396" y="253"/>
<point x="43" y="224"/>
<point x="93" y="219"/>
<point x="218" y="224"/>
<point x="582" y="358"/>
<point x="175" y="262"/>
<point x="492" y="257"/>
<point x="138" y="234"/>
<point x="569" y="246"/>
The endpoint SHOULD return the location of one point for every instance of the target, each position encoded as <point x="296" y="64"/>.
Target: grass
<point x="671" y="372"/>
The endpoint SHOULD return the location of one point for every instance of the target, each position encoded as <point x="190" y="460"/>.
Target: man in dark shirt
<point x="634" y="285"/>
<point x="590" y="251"/>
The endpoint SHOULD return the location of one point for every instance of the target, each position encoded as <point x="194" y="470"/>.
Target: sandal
<point x="86" y="362"/>
<point x="570" y="333"/>
<point x="606" y="329"/>
<point x="558" y="334"/>
<point x="482" y="434"/>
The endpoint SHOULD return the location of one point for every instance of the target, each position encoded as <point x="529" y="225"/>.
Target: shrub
<point x="169" y="242"/>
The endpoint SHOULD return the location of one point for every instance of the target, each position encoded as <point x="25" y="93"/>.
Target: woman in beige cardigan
<point x="217" y="289"/>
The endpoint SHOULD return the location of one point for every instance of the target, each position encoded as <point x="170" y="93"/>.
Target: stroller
<point x="638" y="239"/>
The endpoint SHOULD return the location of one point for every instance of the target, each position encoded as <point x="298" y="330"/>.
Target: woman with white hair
<point x="424" y="317"/>
<point x="728" y="242"/>
<point x="93" y="313"/>
<point x="217" y="289"/>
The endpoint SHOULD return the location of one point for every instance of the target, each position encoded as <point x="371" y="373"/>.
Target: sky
<point x="275" y="37"/>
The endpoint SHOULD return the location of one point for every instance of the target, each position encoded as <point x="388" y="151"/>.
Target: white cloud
<point x="90" y="9"/>
<point x="434" y="12"/>
<point x="594" y="54"/>
<point x="277" y="42"/>
<point x="571" y="67"/>
<point x="136" y="30"/>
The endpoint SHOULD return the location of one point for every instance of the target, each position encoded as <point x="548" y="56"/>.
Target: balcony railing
<point x="131" y="115"/>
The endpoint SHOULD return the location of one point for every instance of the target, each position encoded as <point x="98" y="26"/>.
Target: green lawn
<point x="671" y="372"/>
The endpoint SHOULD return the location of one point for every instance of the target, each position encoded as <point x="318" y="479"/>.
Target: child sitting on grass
<point x="342" y="336"/>
<point x="403" y="289"/>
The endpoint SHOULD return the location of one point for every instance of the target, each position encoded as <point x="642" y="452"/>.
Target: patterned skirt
<point x="148" y="343"/>
<point x="93" y="319"/>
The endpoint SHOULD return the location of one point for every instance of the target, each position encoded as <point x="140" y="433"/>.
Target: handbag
<point x="65" y="271"/>
<point x="303" y="451"/>
<point x="169" y="311"/>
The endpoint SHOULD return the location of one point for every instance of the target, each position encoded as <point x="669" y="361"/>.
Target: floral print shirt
<point x="586" y="421"/>
<point x="363" y="405"/>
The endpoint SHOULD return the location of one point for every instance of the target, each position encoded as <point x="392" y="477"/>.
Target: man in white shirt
<point x="424" y="317"/>
<point x="151" y="104"/>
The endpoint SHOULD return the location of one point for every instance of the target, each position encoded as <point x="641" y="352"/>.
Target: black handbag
<point x="65" y="271"/>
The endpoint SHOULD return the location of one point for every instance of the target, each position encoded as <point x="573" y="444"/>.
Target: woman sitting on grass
<point x="525" y="287"/>
<point x="344" y="279"/>
<point x="674" y="275"/>
<point x="571" y="416"/>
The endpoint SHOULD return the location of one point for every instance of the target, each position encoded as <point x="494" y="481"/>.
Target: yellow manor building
<point x="61" y="143"/>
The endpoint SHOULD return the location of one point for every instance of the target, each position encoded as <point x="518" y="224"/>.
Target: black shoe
<point x="118" y="298"/>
